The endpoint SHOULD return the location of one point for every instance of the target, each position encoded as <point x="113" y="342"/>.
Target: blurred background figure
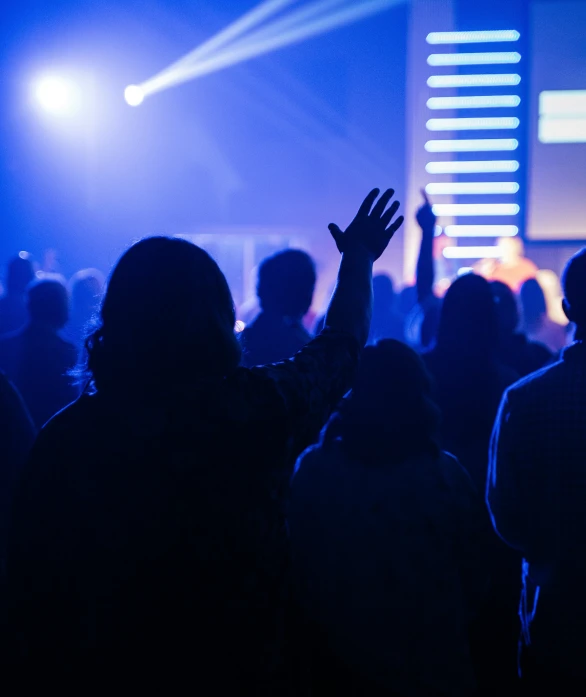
<point x="286" y="282"/>
<point x="36" y="358"/>
<point x="513" y="268"/>
<point x="19" y="274"/>
<point x="386" y="322"/>
<point x="536" y="321"/>
<point x="514" y="348"/>
<point x="386" y="537"/>
<point x="85" y="289"/>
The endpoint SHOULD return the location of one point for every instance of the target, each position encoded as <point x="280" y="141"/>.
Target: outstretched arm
<point x="364" y="240"/>
<point x="425" y="270"/>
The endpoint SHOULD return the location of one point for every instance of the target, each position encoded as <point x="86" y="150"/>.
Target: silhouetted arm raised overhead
<point x="362" y="243"/>
<point x="425" y="270"/>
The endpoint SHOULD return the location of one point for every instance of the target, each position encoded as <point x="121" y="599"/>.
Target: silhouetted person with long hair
<point x="536" y="486"/>
<point x="514" y="348"/>
<point x="13" y="312"/>
<point x="37" y="359"/>
<point x="85" y="288"/>
<point x="149" y="534"/>
<point x="385" y="531"/>
<point x="286" y="282"/>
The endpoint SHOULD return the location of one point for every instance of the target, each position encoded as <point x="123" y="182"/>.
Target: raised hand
<point x="425" y="216"/>
<point x="373" y="227"/>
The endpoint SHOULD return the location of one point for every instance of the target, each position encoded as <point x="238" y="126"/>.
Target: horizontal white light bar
<point x="481" y="230"/>
<point x="488" y="58"/>
<point x="472" y="37"/>
<point x="472" y="253"/>
<point x="471" y="166"/>
<point x="491" y="123"/>
<point x="562" y="130"/>
<point x="481" y="144"/>
<point x="484" y="80"/>
<point x="490" y="101"/>
<point x="457" y="188"/>
<point x="472" y="209"/>
<point x="567" y="104"/>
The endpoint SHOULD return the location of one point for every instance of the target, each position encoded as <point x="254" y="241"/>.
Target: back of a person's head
<point x="286" y="282"/>
<point x="48" y="302"/>
<point x="383" y="291"/>
<point x="86" y="287"/>
<point x="20" y="273"/>
<point x="506" y="308"/>
<point x="574" y="286"/>
<point x="390" y="415"/>
<point x="533" y="303"/>
<point x="468" y="323"/>
<point x="167" y="319"/>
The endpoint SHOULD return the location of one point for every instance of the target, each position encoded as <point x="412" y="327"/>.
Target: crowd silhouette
<point x="392" y="505"/>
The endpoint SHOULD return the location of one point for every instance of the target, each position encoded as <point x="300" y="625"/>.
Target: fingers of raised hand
<point x="394" y="226"/>
<point x="381" y="204"/>
<point x="388" y="215"/>
<point x="367" y="203"/>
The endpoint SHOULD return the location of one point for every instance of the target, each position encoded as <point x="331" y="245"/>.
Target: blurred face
<point x="511" y="249"/>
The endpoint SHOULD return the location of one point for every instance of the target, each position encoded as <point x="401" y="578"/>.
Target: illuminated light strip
<point x="472" y="253"/>
<point x="471" y="166"/>
<point x="562" y="130"/>
<point x="489" y="58"/>
<point x="492" y="101"/>
<point x="458" y="188"/>
<point x="495" y="123"/>
<point x="245" y="50"/>
<point x="482" y="144"/>
<point x="484" y="80"/>
<point x="481" y="230"/>
<point x="473" y="209"/>
<point x="563" y="103"/>
<point x="472" y="37"/>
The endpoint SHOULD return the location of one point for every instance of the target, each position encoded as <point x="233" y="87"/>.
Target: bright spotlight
<point x="134" y="95"/>
<point x="56" y="95"/>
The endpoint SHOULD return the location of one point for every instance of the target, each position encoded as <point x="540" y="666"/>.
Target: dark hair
<point x="48" y="302"/>
<point x="468" y="322"/>
<point x="507" y="309"/>
<point x="286" y="282"/>
<point x="533" y="303"/>
<point x="390" y="415"/>
<point x="20" y="273"/>
<point x="167" y="319"/>
<point x="574" y="285"/>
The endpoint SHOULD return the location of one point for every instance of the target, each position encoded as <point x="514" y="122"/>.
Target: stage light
<point x="562" y="130"/>
<point x="134" y="95"/>
<point x="496" y="123"/>
<point x="472" y="37"/>
<point x="475" y="209"/>
<point x="562" y="116"/>
<point x="486" y="58"/>
<point x="481" y="230"/>
<point x="471" y="166"/>
<point x="464" y="188"/>
<point x="484" y="80"/>
<point x="56" y="95"/>
<point x="482" y="144"/>
<point x="268" y="40"/>
<point x="492" y="101"/>
<point x="472" y="252"/>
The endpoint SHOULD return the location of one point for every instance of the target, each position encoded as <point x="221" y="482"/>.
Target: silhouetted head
<point x="390" y="415"/>
<point x="48" y="302"/>
<point x="468" y="322"/>
<point x="286" y="282"/>
<point x="384" y="291"/>
<point x="506" y="308"/>
<point x="574" y="285"/>
<point x="533" y="303"/>
<point x="86" y="287"/>
<point x="167" y="320"/>
<point x="20" y="273"/>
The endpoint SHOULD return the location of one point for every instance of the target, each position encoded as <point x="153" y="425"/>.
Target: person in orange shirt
<point x="513" y="268"/>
